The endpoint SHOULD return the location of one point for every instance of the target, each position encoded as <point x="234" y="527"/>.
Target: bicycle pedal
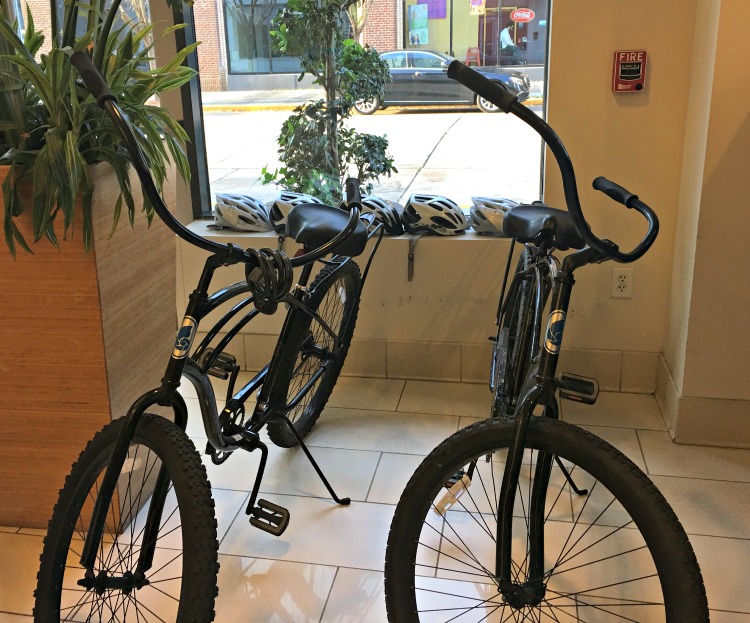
<point x="578" y="388"/>
<point x="223" y="366"/>
<point x="270" y="517"/>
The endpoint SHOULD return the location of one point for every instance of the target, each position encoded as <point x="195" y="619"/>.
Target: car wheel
<point x="367" y="107"/>
<point x="486" y="105"/>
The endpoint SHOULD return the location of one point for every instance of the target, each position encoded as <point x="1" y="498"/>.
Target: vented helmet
<point x="433" y="214"/>
<point x="283" y="203"/>
<point x="487" y="213"/>
<point x="385" y="211"/>
<point x="241" y="212"/>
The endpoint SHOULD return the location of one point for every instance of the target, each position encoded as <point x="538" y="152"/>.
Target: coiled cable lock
<point x="270" y="280"/>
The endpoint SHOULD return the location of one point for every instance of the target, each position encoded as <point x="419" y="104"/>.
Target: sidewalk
<point x="276" y="99"/>
<point x="288" y="99"/>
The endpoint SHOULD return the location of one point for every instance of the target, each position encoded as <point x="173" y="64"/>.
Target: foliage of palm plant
<point x="315" y="147"/>
<point x="61" y="130"/>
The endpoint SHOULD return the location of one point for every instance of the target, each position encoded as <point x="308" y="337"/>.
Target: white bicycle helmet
<point x="241" y="212"/>
<point x="385" y="211"/>
<point x="283" y="203"/>
<point x="433" y="214"/>
<point x="487" y="213"/>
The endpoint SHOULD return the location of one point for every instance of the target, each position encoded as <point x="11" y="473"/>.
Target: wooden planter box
<point x="83" y="335"/>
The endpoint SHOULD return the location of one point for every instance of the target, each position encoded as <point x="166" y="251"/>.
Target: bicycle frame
<point x="541" y="392"/>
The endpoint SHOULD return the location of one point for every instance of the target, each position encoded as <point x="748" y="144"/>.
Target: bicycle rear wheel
<point x="334" y="296"/>
<point x="512" y="352"/>
<point x="186" y="545"/>
<point x="615" y="553"/>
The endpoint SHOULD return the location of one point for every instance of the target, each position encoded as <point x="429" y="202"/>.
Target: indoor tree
<point x="316" y="148"/>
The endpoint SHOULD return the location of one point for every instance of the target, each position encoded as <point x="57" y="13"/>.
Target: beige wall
<point x="633" y="139"/>
<point x="696" y="135"/>
<point x="682" y="145"/>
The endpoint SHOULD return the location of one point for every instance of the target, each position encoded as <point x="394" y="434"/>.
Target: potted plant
<point x="60" y="130"/>
<point x="86" y="320"/>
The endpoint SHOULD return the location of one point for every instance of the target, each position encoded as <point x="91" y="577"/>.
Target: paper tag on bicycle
<point x="184" y="338"/>
<point x="553" y="336"/>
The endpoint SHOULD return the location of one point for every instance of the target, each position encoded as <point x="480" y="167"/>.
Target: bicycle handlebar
<point x="509" y="104"/>
<point x="98" y="87"/>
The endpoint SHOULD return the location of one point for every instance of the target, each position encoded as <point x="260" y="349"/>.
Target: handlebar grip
<point x="629" y="200"/>
<point x="615" y="191"/>
<point x="499" y="96"/>
<point x="353" y="196"/>
<point x="92" y="78"/>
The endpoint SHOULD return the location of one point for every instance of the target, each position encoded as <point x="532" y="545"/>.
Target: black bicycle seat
<point x="534" y="223"/>
<point x="315" y="224"/>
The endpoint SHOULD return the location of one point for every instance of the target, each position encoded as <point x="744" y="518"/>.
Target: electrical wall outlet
<point x="622" y="283"/>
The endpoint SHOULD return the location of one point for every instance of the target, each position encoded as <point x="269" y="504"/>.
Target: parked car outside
<point x="420" y="78"/>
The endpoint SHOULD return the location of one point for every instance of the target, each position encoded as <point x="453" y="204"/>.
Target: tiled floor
<point x="328" y="564"/>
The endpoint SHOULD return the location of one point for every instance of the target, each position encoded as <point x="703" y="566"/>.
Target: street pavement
<point x="458" y="152"/>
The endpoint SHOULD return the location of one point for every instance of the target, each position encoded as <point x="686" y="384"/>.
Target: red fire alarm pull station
<point x="629" y="71"/>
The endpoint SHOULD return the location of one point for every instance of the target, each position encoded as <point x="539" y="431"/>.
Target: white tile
<point x="468" y="421"/>
<point x="319" y="532"/>
<point x="617" y="410"/>
<point x="228" y="506"/>
<point x="603" y="365"/>
<point x="413" y="433"/>
<point x="625" y="440"/>
<point x="464" y="399"/>
<point x="394" y="471"/>
<point x="271" y="590"/>
<point x="18" y="580"/>
<point x="729" y="617"/>
<point x="724" y="564"/>
<point x="366" y="358"/>
<point x="357" y="597"/>
<point x="639" y="371"/>
<point x="288" y="472"/>
<point x="367" y="393"/>
<point x="438" y="361"/>
<point x="666" y="458"/>
<point x="14" y="618"/>
<point x="708" y="507"/>
<point x="475" y="362"/>
<point x="42" y="532"/>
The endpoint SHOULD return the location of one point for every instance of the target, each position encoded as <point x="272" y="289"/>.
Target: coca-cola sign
<point x="522" y="15"/>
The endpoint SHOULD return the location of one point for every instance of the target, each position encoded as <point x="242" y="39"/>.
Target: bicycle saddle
<point x="533" y="223"/>
<point x="314" y="224"/>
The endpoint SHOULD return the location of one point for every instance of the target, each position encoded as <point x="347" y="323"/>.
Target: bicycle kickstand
<point x="316" y="467"/>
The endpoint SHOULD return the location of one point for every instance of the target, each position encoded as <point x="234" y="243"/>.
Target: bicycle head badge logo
<point x="553" y="337"/>
<point x="184" y="338"/>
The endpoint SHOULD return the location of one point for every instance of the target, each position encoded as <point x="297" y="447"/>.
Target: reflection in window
<point x="395" y="61"/>
<point x="249" y="44"/>
<point x="426" y="61"/>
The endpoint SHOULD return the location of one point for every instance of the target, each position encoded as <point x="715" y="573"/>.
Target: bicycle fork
<point x="530" y="591"/>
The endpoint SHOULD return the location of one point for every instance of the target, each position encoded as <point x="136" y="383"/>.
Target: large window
<point x="483" y="32"/>
<point x="249" y="46"/>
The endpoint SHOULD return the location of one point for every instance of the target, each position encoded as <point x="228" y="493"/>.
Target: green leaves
<point x="315" y="146"/>
<point x="61" y="131"/>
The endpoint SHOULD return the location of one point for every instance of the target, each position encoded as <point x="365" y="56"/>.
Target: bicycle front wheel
<point x="615" y="552"/>
<point x="334" y="296"/>
<point x="180" y="583"/>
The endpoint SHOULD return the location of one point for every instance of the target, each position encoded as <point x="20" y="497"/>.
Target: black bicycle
<point x="133" y="534"/>
<point x="523" y="517"/>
